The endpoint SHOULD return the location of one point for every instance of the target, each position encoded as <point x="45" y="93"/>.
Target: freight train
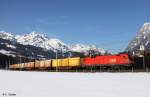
<point x="121" y="60"/>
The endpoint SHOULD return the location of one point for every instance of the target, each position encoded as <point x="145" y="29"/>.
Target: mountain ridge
<point x="41" y="40"/>
<point x="142" y="39"/>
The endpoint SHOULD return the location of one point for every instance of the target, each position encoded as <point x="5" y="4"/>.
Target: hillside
<point x="38" y="45"/>
<point x="141" y="39"/>
<point x="14" y="49"/>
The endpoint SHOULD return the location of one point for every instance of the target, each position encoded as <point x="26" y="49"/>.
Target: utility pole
<point x="56" y="59"/>
<point x="61" y="52"/>
<point x="9" y="63"/>
<point x="142" y="49"/>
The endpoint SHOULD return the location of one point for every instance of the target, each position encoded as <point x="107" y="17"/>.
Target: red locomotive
<point x="107" y="60"/>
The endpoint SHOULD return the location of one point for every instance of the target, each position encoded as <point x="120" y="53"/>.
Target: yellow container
<point x="47" y="63"/>
<point x="74" y="61"/>
<point x="11" y="66"/>
<point x="37" y="64"/>
<point x="14" y="66"/>
<point x="17" y="66"/>
<point x="22" y="65"/>
<point x="56" y="62"/>
<point x="42" y="64"/>
<point x="29" y="65"/>
<point x="26" y="65"/>
<point x="65" y="62"/>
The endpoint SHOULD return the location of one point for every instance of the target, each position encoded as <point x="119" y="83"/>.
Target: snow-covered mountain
<point x="141" y="40"/>
<point x="14" y="49"/>
<point x="41" y="40"/>
<point x="33" y="38"/>
<point x="6" y="35"/>
<point x="86" y="48"/>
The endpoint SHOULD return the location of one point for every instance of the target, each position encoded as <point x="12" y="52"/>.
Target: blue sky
<point x="110" y="24"/>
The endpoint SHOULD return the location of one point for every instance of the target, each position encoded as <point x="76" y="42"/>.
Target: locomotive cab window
<point x="124" y="57"/>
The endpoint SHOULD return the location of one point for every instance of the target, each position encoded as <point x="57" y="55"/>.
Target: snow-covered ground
<point x="50" y="84"/>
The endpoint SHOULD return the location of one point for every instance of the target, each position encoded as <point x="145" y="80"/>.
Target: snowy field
<point x="50" y="84"/>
